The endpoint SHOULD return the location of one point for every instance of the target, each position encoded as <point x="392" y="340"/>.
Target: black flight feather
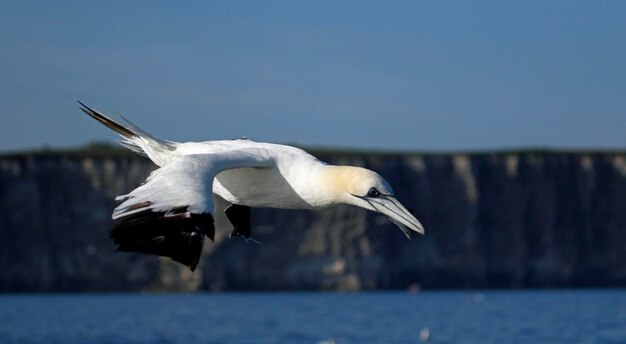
<point x="177" y="234"/>
<point x="100" y="117"/>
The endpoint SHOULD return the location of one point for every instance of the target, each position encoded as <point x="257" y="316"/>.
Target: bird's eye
<point x="373" y="192"/>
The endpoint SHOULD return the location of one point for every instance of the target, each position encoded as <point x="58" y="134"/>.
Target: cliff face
<point x="536" y="219"/>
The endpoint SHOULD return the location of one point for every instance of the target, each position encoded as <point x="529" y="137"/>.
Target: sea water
<point x="559" y="316"/>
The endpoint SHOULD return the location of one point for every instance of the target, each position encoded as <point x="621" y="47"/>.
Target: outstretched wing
<point x="170" y="214"/>
<point x="135" y="139"/>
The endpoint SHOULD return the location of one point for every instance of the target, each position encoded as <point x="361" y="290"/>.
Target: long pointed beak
<point x="398" y="214"/>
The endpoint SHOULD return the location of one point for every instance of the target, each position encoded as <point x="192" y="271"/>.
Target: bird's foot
<point x="250" y="240"/>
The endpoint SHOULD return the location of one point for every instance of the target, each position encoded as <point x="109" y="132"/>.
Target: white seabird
<point x="171" y="212"/>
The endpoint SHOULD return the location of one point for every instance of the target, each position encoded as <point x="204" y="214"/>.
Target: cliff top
<point x="105" y="149"/>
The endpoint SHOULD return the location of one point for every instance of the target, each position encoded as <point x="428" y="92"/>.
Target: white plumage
<point x="171" y="212"/>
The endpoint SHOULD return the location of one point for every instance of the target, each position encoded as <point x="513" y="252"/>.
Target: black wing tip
<point x="86" y="109"/>
<point x="106" y="121"/>
<point x="178" y="236"/>
<point x="185" y="248"/>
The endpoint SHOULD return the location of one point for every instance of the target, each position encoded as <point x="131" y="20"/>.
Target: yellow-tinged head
<point x="367" y="189"/>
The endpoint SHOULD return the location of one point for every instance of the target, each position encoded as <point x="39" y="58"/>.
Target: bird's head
<point x="367" y="189"/>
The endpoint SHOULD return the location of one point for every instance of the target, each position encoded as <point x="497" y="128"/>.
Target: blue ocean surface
<point x="560" y="316"/>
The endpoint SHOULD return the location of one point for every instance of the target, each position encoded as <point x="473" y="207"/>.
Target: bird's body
<point x="284" y="183"/>
<point x="170" y="213"/>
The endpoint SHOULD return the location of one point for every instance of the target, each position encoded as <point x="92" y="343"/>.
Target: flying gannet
<point x="171" y="212"/>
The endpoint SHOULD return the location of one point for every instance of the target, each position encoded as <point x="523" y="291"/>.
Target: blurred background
<point x="502" y="125"/>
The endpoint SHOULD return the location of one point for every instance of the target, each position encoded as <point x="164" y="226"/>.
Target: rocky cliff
<point x="493" y="220"/>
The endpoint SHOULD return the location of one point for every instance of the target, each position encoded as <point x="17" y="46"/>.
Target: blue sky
<point x="402" y="75"/>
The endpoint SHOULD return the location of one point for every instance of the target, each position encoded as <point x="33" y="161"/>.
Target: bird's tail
<point x="135" y="138"/>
